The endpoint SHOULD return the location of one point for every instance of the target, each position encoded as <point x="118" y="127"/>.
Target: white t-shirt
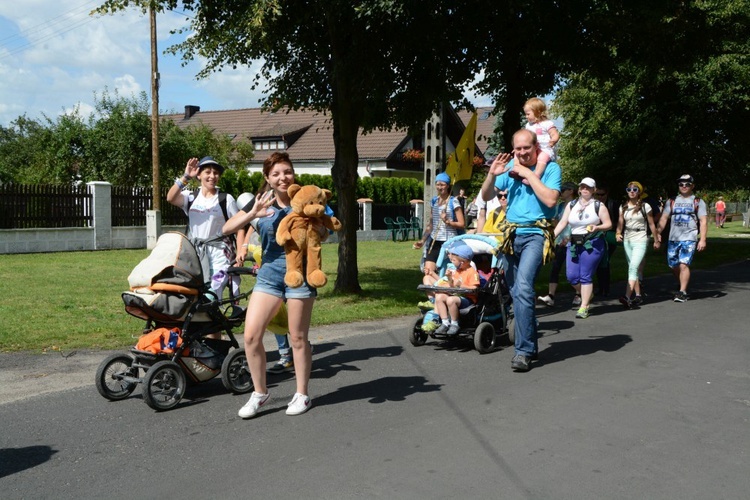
<point x="205" y="218"/>
<point x="635" y="224"/>
<point x="541" y="129"/>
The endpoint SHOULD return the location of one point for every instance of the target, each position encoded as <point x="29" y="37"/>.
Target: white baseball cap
<point x="588" y="181"/>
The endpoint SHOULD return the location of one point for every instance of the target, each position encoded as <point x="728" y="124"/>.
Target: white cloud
<point x="54" y="56"/>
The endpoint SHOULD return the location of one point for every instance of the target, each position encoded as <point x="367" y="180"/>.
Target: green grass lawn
<point x="72" y="300"/>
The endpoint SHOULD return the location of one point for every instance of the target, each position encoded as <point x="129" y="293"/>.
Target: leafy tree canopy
<point x="674" y="107"/>
<point x="113" y="145"/>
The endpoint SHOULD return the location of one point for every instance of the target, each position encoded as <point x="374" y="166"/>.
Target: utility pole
<point x="155" y="112"/>
<point x="153" y="217"/>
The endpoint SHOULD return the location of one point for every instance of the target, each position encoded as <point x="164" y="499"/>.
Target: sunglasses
<point x="631" y="189"/>
<point x="684" y="184"/>
<point x="502" y="195"/>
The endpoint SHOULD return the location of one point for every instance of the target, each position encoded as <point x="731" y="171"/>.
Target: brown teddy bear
<point x="300" y="234"/>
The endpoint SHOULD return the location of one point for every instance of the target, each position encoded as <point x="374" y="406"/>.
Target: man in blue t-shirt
<point x="530" y="199"/>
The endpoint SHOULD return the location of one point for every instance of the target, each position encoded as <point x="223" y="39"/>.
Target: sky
<point x="54" y="56"/>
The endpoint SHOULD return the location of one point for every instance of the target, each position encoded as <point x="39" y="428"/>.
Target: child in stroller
<point x="461" y="275"/>
<point x="484" y="320"/>
<point x="168" y="291"/>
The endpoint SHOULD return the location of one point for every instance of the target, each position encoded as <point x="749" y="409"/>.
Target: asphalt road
<point x="650" y="403"/>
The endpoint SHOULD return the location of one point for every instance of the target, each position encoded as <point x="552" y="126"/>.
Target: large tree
<point x="370" y="63"/>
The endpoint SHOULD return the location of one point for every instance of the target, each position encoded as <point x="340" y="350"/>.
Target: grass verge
<point x="72" y="300"/>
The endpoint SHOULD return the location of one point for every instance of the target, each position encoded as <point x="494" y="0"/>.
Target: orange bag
<point x="161" y="340"/>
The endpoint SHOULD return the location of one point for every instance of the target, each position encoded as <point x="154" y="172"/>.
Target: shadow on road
<point x="14" y="460"/>
<point x="379" y="390"/>
<point x="566" y="349"/>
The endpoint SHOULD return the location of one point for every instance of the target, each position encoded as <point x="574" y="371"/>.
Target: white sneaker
<point x="299" y="404"/>
<point x="546" y="300"/>
<point x="576" y="300"/>
<point x="253" y="406"/>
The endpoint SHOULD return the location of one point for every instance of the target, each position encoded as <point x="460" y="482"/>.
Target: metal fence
<point x="44" y="206"/>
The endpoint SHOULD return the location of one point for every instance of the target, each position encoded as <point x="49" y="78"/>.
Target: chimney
<point x="190" y="111"/>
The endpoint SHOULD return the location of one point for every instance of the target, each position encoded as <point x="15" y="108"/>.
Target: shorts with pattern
<point x="680" y="252"/>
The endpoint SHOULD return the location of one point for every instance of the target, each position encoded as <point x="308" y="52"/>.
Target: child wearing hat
<point x="463" y="276"/>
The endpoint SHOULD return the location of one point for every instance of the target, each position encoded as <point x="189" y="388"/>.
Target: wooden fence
<point x="44" y="206"/>
<point x="129" y="206"/>
<point x="48" y="206"/>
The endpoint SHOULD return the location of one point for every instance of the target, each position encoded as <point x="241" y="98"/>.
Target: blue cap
<point x="461" y="249"/>
<point x="208" y="161"/>
<point x="443" y="177"/>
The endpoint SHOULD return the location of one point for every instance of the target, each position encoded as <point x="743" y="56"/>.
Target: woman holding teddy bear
<point x="270" y="291"/>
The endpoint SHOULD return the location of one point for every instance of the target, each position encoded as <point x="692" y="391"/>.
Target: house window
<point x="257" y="146"/>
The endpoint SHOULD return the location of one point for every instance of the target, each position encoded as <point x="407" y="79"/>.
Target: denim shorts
<point x="270" y="280"/>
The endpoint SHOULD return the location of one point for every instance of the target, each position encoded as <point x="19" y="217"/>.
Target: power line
<point x="44" y="25"/>
<point x="57" y="31"/>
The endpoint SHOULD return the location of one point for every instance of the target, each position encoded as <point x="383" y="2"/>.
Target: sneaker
<point x="426" y="304"/>
<point x="299" y="404"/>
<point x="442" y="329"/>
<point x="520" y="363"/>
<point x="681" y="296"/>
<point x="452" y="330"/>
<point x="577" y="300"/>
<point x="549" y="301"/>
<point x="638" y="300"/>
<point x="253" y="406"/>
<point x="626" y="302"/>
<point x="583" y="312"/>
<point x="285" y="364"/>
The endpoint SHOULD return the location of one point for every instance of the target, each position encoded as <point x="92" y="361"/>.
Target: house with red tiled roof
<point x="308" y="138"/>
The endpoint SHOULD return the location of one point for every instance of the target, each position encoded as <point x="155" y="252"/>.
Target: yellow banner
<point x="461" y="164"/>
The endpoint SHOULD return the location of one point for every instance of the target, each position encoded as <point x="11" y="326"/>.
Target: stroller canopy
<point x="173" y="261"/>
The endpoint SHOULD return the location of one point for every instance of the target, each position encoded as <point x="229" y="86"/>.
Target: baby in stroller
<point x="474" y="297"/>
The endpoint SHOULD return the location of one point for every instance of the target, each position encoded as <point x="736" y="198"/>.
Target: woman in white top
<point x="635" y="215"/>
<point x="588" y="220"/>
<point x="206" y="216"/>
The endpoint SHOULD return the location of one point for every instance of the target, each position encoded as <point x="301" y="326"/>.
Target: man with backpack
<point x="688" y="217"/>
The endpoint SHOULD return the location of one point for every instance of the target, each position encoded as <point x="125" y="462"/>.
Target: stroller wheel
<point x="484" y="338"/>
<point x="115" y="377"/>
<point x="235" y="375"/>
<point x="164" y="385"/>
<point x="417" y="336"/>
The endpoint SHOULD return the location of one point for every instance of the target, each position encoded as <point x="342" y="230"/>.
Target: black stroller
<point x="486" y="320"/>
<point x="169" y="293"/>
